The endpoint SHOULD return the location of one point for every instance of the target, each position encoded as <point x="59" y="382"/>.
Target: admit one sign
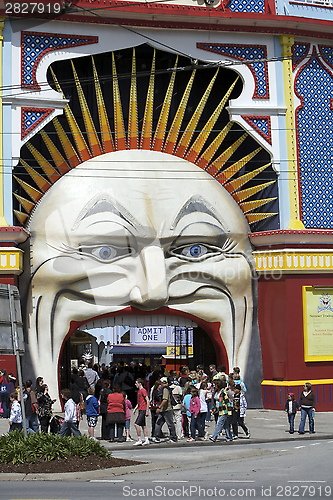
<point x="150" y="335"/>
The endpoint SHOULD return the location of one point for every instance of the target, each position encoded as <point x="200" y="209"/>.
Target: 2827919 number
<point x="303" y="490"/>
<point x="26" y="8"/>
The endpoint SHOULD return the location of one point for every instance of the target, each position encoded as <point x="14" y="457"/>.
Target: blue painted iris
<point x="196" y="251"/>
<point x="105" y="253"/>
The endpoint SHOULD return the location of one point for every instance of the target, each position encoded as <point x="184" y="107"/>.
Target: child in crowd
<point x="15" y="418"/>
<point x="92" y="411"/>
<point x="237" y="373"/>
<point x="194" y="410"/>
<point x="70" y="424"/>
<point x="143" y="409"/>
<point x="239" y="412"/>
<point x="129" y="407"/>
<point x="291" y="408"/>
<point x="186" y="412"/>
<point x="238" y="381"/>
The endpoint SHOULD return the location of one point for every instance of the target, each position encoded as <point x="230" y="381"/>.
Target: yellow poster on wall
<point x="176" y="351"/>
<point x="318" y="323"/>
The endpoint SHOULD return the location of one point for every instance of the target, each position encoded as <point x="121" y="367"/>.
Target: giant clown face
<point x="140" y="230"/>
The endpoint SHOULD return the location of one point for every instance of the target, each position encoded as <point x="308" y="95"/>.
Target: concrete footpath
<point x="266" y="426"/>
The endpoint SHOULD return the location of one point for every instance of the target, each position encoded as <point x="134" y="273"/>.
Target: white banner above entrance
<point x="164" y="335"/>
<point x="150" y="334"/>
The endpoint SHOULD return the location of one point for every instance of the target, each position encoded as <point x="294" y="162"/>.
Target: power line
<point x="114" y="7"/>
<point x="193" y="66"/>
<point x="196" y="131"/>
<point x="131" y="30"/>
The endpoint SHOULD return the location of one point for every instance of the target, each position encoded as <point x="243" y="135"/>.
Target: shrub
<point x="16" y="449"/>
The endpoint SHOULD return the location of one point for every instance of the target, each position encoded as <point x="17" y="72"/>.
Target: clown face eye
<point x="106" y="253"/>
<point x="194" y="252"/>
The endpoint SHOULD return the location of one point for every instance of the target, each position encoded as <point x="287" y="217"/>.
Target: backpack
<point x="172" y="398"/>
<point x="128" y="380"/>
<point x="4" y="389"/>
<point x="177" y="397"/>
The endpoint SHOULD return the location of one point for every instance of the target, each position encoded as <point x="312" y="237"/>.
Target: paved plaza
<point x="264" y="425"/>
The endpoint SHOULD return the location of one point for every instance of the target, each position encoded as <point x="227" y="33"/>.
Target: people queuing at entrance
<point x="181" y="405"/>
<point x="181" y="402"/>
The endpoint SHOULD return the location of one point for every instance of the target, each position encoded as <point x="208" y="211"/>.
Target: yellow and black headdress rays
<point x="194" y="143"/>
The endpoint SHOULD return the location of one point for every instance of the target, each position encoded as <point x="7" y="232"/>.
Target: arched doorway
<point x="107" y="345"/>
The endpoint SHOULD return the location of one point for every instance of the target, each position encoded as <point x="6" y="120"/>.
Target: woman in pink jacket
<point x="194" y="409"/>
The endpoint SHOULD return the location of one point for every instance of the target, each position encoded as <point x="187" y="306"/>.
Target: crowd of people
<point x="184" y="402"/>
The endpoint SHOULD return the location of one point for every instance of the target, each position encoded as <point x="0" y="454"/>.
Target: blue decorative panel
<point x="247" y="6"/>
<point x="326" y="53"/>
<point x="300" y="51"/>
<point x="314" y="119"/>
<point x="31" y="117"/>
<point x="35" y="45"/>
<point x="246" y="53"/>
<point x="262" y="124"/>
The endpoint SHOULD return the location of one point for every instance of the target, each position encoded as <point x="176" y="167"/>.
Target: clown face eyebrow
<point x="105" y="205"/>
<point x="196" y="203"/>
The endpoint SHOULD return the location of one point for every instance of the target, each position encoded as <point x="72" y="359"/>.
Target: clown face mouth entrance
<point x="141" y="343"/>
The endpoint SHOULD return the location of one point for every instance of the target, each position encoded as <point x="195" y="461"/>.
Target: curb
<point x="83" y="476"/>
<point x="149" y="467"/>
<point x="240" y="441"/>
